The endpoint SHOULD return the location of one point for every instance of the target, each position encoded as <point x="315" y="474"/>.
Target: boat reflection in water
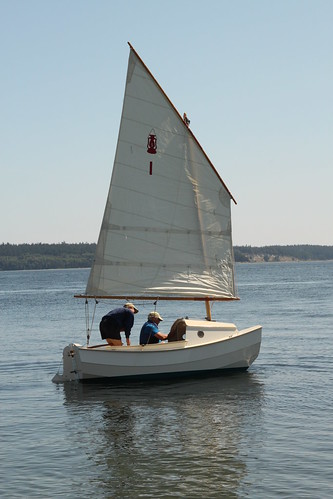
<point x="186" y="438"/>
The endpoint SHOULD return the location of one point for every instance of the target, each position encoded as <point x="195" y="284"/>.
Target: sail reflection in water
<point x="187" y="439"/>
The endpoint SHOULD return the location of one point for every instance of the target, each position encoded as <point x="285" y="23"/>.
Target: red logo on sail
<point x="152" y="143"/>
<point x="151" y="148"/>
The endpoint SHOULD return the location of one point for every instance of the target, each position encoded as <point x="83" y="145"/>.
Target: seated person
<point x="150" y="332"/>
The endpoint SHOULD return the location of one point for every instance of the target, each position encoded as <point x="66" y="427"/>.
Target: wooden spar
<point x="180" y="117"/>
<point x="208" y="311"/>
<point x="157" y="298"/>
<point x="166" y="298"/>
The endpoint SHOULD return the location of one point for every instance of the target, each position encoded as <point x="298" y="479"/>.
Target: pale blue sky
<point x="255" y="78"/>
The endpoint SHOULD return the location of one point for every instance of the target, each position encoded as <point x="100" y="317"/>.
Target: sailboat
<point x="165" y="235"/>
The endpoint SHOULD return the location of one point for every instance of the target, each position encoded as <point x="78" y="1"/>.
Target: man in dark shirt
<point x="117" y="320"/>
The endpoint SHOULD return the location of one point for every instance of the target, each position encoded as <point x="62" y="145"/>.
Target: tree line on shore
<point x="39" y="256"/>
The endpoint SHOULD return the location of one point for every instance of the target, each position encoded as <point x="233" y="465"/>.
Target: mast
<point x="208" y="310"/>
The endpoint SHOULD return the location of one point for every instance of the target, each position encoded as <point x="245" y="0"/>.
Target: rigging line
<point x="87" y="320"/>
<point x="93" y="317"/>
<point x="90" y="326"/>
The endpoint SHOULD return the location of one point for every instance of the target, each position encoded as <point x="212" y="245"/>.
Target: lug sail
<point x="166" y="230"/>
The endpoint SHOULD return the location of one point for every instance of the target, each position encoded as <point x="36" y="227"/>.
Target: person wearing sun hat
<point x="117" y="321"/>
<point x="150" y="332"/>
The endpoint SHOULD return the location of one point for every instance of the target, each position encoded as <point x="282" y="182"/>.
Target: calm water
<point x="262" y="434"/>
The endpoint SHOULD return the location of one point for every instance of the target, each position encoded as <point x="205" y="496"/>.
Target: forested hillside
<point x="80" y="255"/>
<point x="46" y="256"/>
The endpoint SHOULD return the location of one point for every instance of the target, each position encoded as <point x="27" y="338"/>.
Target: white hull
<point x="208" y="347"/>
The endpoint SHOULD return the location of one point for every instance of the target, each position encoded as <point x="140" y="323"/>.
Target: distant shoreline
<point x="41" y="256"/>
<point x="288" y="253"/>
<point x="285" y="260"/>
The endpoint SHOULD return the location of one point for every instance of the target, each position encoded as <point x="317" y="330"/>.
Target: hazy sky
<point x="254" y="77"/>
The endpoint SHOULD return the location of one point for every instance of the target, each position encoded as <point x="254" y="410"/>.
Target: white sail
<point x="166" y="230"/>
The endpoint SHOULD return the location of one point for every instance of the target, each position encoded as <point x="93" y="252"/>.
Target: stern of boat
<point x="70" y="370"/>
